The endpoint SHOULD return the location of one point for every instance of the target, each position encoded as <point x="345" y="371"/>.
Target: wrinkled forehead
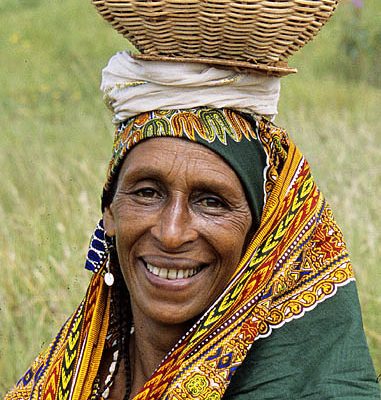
<point x="173" y="159"/>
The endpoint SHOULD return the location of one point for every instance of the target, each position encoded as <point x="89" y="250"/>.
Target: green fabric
<point x="322" y="356"/>
<point x="248" y="160"/>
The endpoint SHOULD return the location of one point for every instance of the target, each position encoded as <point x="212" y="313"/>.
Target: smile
<point x="172" y="273"/>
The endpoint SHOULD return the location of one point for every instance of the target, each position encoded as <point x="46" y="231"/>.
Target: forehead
<point x="177" y="158"/>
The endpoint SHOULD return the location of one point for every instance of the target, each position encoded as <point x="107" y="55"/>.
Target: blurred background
<point x="56" y="138"/>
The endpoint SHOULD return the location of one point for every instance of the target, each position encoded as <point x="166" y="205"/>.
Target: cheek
<point x="229" y="237"/>
<point x="129" y="220"/>
<point x="129" y="227"/>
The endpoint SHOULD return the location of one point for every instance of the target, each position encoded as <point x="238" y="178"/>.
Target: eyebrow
<point x="143" y="172"/>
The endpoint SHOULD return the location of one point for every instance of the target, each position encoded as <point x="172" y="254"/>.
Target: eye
<point x="148" y="193"/>
<point x="212" y="202"/>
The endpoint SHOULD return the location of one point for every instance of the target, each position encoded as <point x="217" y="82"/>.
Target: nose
<point x="173" y="227"/>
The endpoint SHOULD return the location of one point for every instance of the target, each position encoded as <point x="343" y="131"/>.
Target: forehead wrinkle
<point x="218" y="168"/>
<point x="218" y="176"/>
<point x="177" y="163"/>
<point x="151" y="165"/>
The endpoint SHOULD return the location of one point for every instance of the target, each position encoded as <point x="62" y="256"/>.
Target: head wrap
<point x="231" y="135"/>
<point x="133" y="86"/>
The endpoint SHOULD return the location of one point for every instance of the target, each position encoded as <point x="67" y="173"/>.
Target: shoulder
<point x="323" y="355"/>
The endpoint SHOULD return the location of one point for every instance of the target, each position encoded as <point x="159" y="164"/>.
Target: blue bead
<point x="97" y="244"/>
<point x="89" y="266"/>
<point x="93" y="256"/>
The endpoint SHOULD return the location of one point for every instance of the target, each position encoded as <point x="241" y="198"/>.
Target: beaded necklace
<point x="102" y="393"/>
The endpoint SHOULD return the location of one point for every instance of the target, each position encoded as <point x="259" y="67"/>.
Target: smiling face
<point x="180" y="218"/>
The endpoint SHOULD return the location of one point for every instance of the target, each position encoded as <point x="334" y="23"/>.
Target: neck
<point x="149" y="344"/>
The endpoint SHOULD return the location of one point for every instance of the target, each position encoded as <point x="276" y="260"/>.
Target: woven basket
<point x="248" y="34"/>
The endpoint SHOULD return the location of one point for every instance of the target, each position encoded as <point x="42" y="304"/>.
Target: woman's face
<point x="180" y="218"/>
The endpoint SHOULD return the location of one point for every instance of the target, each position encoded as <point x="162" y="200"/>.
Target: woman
<point x="219" y="271"/>
<point x="236" y="257"/>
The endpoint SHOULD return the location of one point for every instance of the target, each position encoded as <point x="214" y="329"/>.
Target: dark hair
<point x="120" y="298"/>
<point x="109" y="193"/>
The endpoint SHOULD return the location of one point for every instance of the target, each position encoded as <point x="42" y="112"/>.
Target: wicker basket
<point x="252" y="34"/>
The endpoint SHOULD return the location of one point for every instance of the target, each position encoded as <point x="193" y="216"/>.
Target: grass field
<point x="55" y="142"/>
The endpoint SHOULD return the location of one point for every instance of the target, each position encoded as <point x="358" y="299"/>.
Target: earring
<point x="109" y="277"/>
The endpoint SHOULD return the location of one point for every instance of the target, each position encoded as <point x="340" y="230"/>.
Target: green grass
<point x="55" y="143"/>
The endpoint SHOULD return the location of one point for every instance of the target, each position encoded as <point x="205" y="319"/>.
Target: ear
<point x="109" y="222"/>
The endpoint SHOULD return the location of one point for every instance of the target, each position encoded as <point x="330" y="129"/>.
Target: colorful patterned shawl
<point x="296" y="260"/>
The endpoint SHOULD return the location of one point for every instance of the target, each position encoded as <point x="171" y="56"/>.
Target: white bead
<point x="115" y="355"/>
<point x="112" y="367"/>
<point x="106" y="393"/>
<point x="108" y="379"/>
<point x="109" y="279"/>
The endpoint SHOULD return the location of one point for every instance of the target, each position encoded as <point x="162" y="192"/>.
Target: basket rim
<point x="280" y="68"/>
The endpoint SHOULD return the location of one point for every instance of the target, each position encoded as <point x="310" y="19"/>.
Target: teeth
<point x="163" y="273"/>
<point x="172" y="274"/>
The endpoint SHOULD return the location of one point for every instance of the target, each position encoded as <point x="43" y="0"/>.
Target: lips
<point x="172" y="273"/>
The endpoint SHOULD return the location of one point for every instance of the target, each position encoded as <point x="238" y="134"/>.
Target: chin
<point x="173" y="316"/>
